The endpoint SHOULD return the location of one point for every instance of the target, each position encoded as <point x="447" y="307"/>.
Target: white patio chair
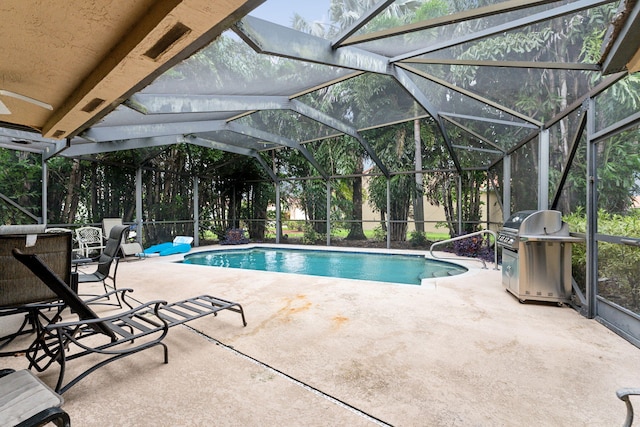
<point x="90" y="240"/>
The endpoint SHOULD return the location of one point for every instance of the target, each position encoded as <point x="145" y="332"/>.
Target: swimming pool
<point x="392" y="268"/>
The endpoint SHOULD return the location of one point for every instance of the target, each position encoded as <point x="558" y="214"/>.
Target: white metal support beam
<point x="506" y="187"/>
<point x="512" y="25"/>
<point x="543" y="170"/>
<point x="267" y="37"/>
<point x="121" y="133"/>
<point x="361" y="22"/>
<point x="139" y="220"/>
<point x="327" y="120"/>
<point x="196" y="211"/>
<point x="277" y="139"/>
<point x="207" y="143"/>
<point x="174" y="104"/>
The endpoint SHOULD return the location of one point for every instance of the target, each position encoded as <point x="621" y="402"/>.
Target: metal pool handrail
<point x="466" y="236"/>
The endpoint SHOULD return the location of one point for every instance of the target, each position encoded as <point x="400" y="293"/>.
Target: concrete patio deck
<point x="333" y="352"/>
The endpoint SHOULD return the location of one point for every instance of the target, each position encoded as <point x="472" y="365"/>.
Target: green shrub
<point x="418" y="239"/>
<point x="617" y="263"/>
<point x="310" y="235"/>
<point x="379" y="235"/>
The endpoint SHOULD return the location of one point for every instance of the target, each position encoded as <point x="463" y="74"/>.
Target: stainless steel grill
<point x="536" y="256"/>
<point x="508" y="236"/>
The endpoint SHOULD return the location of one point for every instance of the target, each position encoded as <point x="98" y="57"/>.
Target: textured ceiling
<point x="84" y="57"/>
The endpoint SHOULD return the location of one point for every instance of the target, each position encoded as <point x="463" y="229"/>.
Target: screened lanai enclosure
<point x="353" y="121"/>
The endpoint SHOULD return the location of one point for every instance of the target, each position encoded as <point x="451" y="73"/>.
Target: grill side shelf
<point x="544" y="238"/>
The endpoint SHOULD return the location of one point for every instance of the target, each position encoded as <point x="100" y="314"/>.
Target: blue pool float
<point x="180" y="245"/>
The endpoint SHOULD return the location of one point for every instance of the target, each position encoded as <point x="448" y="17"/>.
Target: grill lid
<point x="529" y="226"/>
<point x="515" y="220"/>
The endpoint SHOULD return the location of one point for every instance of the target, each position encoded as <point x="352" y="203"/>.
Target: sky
<point x="281" y="11"/>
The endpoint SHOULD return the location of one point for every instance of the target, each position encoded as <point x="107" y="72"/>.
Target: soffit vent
<point x="169" y="39"/>
<point x="92" y="105"/>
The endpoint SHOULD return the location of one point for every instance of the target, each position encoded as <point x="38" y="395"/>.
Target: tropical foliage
<point x="617" y="263"/>
<point x="417" y="150"/>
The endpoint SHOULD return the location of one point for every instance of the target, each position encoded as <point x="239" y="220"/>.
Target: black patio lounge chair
<point x="120" y="335"/>
<point x="114" y="336"/>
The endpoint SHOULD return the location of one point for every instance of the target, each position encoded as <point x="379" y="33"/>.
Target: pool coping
<point x="428" y="283"/>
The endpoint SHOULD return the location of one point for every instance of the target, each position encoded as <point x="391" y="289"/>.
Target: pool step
<point x="439" y="273"/>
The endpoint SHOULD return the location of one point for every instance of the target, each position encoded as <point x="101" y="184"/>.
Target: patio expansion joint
<point x="289" y="378"/>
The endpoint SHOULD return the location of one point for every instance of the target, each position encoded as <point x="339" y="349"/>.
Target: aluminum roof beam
<point x="174" y="104"/>
<point x="471" y="95"/>
<point x="269" y="38"/>
<point x="207" y="143"/>
<point x="119" y="133"/>
<point x="89" y="148"/>
<point x="237" y="140"/>
<point x="31" y="142"/>
<point x="513" y="25"/>
<point x="479" y="150"/>
<point x="327" y="120"/>
<point x="489" y="120"/>
<point x="506" y="64"/>
<point x="474" y="134"/>
<point x="467" y="15"/>
<point x="361" y="22"/>
<point x="277" y="139"/>
<point x="410" y="86"/>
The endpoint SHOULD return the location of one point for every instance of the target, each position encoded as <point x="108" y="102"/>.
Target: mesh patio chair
<point x="107" y="267"/>
<point x="76" y="248"/>
<point x="108" y="224"/>
<point x="28" y="303"/>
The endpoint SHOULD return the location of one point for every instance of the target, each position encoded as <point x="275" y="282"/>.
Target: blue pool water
<point x="406" y="269"/>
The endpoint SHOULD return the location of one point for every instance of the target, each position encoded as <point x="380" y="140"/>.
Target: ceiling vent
<point x="92" y="105"/>
<point x="169" y="39"/>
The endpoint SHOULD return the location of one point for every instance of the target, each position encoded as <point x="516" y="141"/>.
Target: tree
<point x="397" y="156"/>
<point x="20" y="182"/>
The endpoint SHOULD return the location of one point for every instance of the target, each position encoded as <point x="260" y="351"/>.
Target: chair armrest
<point x="94" y="298"/>
<point x="623" y="394"/>
<point x="115" y="260"/>
<point x="43" y="305"/>
<point x="5" y="372"/>
<point x="56" y="415"/>
<point x="155" y="303"/>
<point x="122" y="292"/>
<point x="96" y="264"/>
